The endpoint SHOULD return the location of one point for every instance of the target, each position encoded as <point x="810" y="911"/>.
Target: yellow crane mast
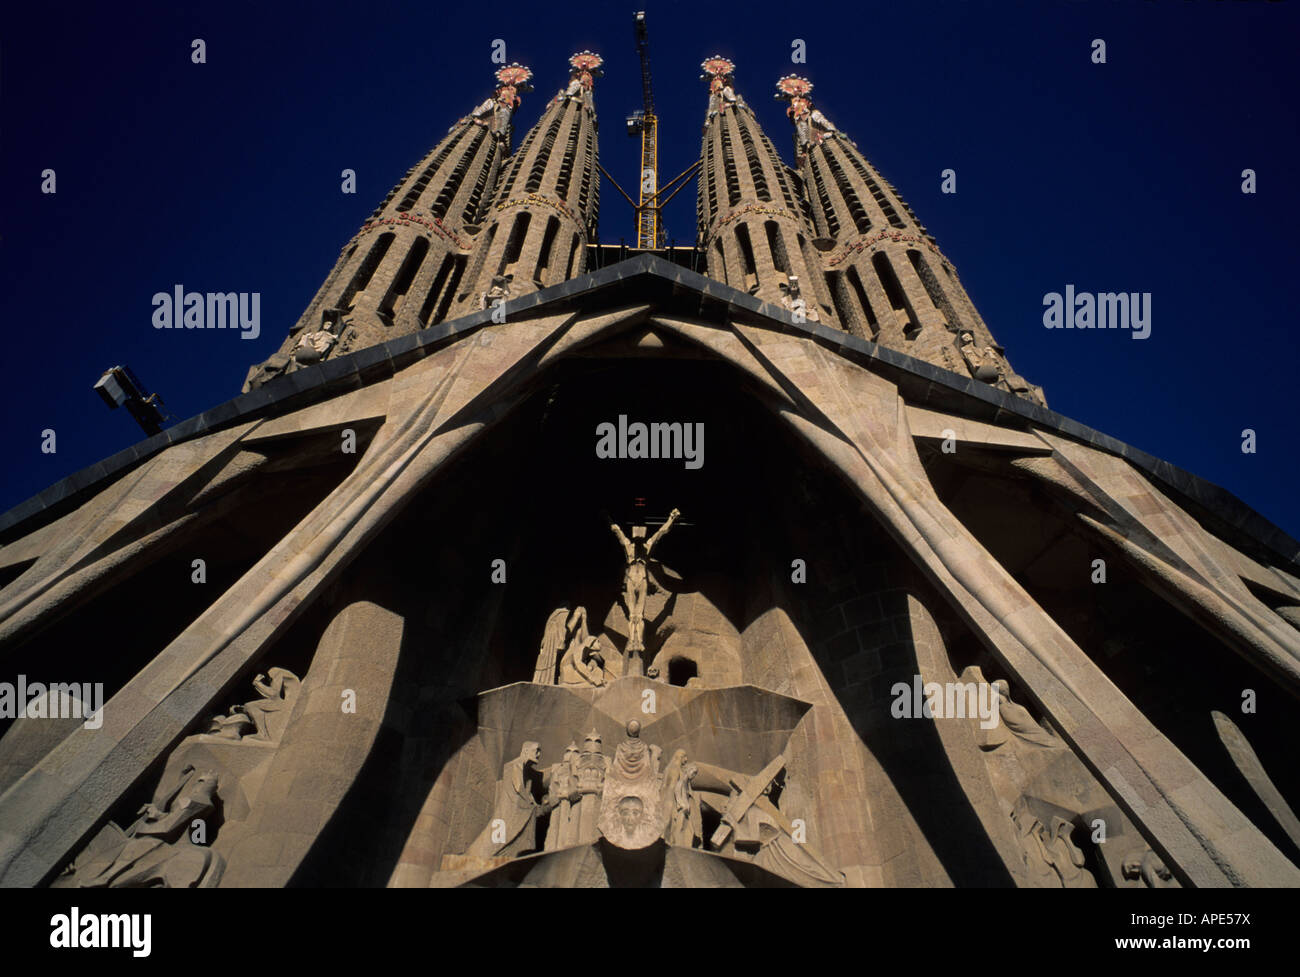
<point x="649" y="227"/>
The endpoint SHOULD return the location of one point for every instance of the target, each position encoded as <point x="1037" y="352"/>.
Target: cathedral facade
<point x="506" y="569"/>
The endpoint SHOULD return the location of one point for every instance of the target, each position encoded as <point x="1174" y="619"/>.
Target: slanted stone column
<point x="339" y="713"/>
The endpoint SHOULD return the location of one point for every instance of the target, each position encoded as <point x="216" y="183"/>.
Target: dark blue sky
<point x="225" y="177"/>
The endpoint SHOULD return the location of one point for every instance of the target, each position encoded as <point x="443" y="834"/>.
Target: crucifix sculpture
<point x="636" y="553"/>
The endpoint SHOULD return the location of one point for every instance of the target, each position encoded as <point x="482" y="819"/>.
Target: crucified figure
<point x="636" y="552"/>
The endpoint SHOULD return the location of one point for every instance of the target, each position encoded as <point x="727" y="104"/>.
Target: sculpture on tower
<point x="584" y="69"/>
<point x="722" y="96"/>
<point x="495" y="112"/>
<point x="810" y="126"/>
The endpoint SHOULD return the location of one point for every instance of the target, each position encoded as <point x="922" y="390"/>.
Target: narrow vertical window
<point x="544" y="256"/>
<point x="367" y="270"/>
<point x="405" y="275"/>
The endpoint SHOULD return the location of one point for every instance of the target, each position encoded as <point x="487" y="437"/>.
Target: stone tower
<point x="400" y="272"/>
<point x="891" y="283"/>
<point x="752" y="225"/>
<point x="509" y="573"/>
<point x="544" y="214"/>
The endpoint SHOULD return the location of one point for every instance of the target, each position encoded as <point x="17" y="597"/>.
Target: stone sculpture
<point x="810" y="126"/>
<point x="679" y="803"/>
<point x="498" y="291"/>
<point x="1146" y="865"/>
<point x="753" y="823"/>
<point x="554" y="639"/>
<point x="779" y="853"/>
<point x="636" y="554"/>
<point x="1050" y="855"/>
<point x="632" y="800"/>
<point x="156" y="850"/>
<point x="495" y="113"/>
<point x="313" y="346"/>
<point x="563" y="828"/>
<point x="264" y="718"/>
<point x="593" y="766"/>
<point x="629" y="810"/>
<point x="512" y="829"/>
<point x="792" y="298"/>
<point x="983" y="363"/>
<point x="582" y="664"/>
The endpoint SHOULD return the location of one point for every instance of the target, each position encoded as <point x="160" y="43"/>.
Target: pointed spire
<point x="752" y="223"/>
<point x="584" y="69"/>
<point x="497" y="111"/>
<point x="889" y="280"/>
<point x="718" y="72"/>
<point x="400" y="271"/>
<point x="810" y="126"/>
<point x="545" y="208"/>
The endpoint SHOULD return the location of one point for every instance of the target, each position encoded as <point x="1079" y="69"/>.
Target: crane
<point x="644" y="123"/>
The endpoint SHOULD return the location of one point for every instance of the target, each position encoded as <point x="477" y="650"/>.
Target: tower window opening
<point x="817" y="275"/>
<point x="573" y="257"/>
<point x="367" y="270"/>
<point x="567" y="162"/>
<point x="932" y="287"/>
<point x="405" y="275"/>
<point x="485" y="167"/>
<point x="543" y="155"/>
<point x="831" y="218"/>
<point x="588" y="168"/>
<point x="515" y="246"/>
<point x="457" y="274"/>
<point x="779" y="168"/>
<point x="747" y="254"/>
<point x="544" y="256"/>
<point x="517" y="161"/>
<point x="857" y="212"/>
<point x="435" y="290"/>
<point x="776" y="244"/>
<point x="479" y="260"/>
<point x="729" y="166"/>
<point x="860" y="293"/>
<point x="755" y="166"/>
<point x="882" y="201"/>
<point x="894" y="291"/>
<point x="430" y="170"/>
